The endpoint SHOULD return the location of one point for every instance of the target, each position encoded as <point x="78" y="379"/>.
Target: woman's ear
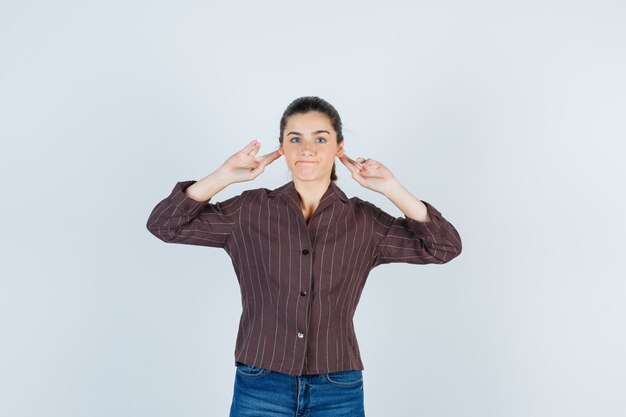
<point x="280" y="150"/>
<point x="340" y="150"/>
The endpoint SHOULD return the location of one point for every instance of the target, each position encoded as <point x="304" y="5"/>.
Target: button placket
<point x="303" y="292"/>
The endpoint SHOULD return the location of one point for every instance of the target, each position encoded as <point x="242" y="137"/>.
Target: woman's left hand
<point x="371" y="174"/>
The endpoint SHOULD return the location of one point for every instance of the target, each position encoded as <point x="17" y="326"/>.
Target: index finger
<point x="249" y="147"/>
<point x="272" y="156"/>
<point x="353" y="162"/>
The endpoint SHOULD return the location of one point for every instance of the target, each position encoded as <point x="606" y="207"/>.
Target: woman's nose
<point x="306" y="149"/>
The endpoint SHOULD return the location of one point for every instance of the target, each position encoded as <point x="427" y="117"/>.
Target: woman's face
<point x="310" y="146"/>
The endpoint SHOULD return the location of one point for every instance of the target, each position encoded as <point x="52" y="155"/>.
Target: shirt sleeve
<point x="403" y="239"/>
<point x="179" y="218"/>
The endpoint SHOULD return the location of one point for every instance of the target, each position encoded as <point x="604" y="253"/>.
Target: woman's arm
<point x="207" y="187"/>
<point x="179" y="218"/>
<point x="410" y="205"/>
<point x="405" y="239"/>
<point x="186" y="216"/>
<point x="423" y="236"/>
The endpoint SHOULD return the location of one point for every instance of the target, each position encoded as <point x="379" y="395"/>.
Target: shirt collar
<point x="290" y="192"/>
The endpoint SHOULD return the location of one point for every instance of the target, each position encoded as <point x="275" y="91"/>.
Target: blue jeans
<point x="259" y="392"/>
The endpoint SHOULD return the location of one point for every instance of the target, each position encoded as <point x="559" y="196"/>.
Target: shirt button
<point x="305" y="251"/>
<point x="302" y="292"/>
<point x="300" y="335"/>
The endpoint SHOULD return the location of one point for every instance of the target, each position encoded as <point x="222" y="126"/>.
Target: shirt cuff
<point x="422" y="228"/>
<point x="182" y="201"/>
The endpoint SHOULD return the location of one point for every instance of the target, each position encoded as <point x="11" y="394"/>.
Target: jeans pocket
<point x="345" y="378"/>
<point x="250" y="370"/>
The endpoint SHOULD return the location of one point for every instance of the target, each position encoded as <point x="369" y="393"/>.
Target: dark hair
<point x="311" y="103"/>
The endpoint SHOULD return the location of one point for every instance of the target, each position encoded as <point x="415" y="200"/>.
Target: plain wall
<point x="506" y="116"/>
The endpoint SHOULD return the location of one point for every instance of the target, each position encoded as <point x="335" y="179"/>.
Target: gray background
<point x="506" y="116"/>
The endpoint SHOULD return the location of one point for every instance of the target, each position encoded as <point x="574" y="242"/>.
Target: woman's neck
<point x="311" y="193"/>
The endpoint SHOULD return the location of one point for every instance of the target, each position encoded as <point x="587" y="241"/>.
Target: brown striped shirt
<point x="301" y="281"/>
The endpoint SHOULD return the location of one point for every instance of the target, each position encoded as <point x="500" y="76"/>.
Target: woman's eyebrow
<point x="314" y="133"/>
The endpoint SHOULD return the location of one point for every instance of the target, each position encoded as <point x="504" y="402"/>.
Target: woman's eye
<point x="293" y="140"/>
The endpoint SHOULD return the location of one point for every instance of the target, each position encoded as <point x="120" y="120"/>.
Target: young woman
<point x="302" y="253"/>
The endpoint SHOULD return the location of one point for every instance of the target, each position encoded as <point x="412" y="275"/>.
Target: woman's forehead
<point x="307" y="123"/>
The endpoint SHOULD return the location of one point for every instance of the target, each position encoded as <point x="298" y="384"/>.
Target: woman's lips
<point x="306" y="162"/>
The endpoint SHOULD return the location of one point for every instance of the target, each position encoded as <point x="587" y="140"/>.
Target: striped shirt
<point x="301" y="280"/>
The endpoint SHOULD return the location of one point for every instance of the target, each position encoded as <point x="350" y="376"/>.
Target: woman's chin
<point x="310" y="176"/>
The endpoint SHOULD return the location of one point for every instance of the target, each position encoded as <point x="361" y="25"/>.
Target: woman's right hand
<point x="244" y="166"/>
